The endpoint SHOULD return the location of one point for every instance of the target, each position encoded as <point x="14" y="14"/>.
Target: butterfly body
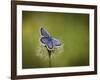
<point x="48" y="41"/>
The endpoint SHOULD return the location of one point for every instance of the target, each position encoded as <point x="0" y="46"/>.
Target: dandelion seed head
<point x="41" y="52"/>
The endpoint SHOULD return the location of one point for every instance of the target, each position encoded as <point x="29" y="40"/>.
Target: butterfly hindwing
<point x="56" y="42"/>
<point x="50" y="45"/>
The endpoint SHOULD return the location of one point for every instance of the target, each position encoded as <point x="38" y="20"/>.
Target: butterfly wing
<point x="50" y="45"/>
<point x="47" y="42"/>
<point x="44" y="32"/>
<point x="44" y="40"/>
<point x="56" y="42"/>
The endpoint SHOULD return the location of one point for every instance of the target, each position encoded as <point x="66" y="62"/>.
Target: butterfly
<point x="48" y="41"/>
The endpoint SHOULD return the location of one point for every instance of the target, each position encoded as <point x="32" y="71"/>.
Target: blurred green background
<point x="70" y="28"/>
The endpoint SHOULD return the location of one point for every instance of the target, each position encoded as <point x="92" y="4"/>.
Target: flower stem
<point x="49" y="52"/>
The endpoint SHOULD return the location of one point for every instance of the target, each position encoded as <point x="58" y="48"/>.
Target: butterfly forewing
<point x="44" y="32"/>
<point x="44" y="40"/>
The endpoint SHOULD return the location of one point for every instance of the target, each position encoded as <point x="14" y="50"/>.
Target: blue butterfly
<point x="48" y="41"/>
